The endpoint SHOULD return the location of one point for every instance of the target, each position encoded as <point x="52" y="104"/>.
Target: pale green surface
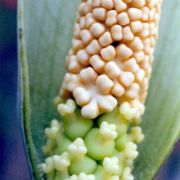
<point x="48" y="29"/>
<point x="97" y="147"/>
<point x="64" y="142"/>
<point x="76" y="126"/>
<point x="86" y="165"/>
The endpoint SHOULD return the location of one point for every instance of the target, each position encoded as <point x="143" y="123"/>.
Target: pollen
<point x="109" y="63"/>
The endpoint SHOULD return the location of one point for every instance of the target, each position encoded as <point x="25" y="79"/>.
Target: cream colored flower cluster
<point x="105" y="152"/>
<point x="109" y="63"/>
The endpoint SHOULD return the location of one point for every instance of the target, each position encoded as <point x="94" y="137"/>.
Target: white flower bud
<point x="116" y="32"/>
<point x="112" y="70"/>
<point x="81" y="96"/>
<point x="108" y="131"/>
<point x="93" y="47"/>
<point x="53" y="130"/>
<point x="86" y="36"/>
<point x="91" y="110"/>
<point x="48" y="166"/>
<point x="136" y="44"/>
<point x="126" y="78"/>
<point x="82" y="176"/>
<point x="88" y="75"/>
<point x="124" y="52"/>
<point x="83" y="57"/>
<point x="111" y="165"/>
<point x="105" y="39"/>
<point x="111" y="18"/>
<point x="127" y="111"/>
<point x="131" y="151"/>
<point x="119" y="5"/>
<point x="127" y="174"/>
<point x="97" y="63"/>
<point x="132" y="91"/>
<point x="134" y="13"/>
<point x="136" y="134"/>
<point x="67" y="108"/>
<point x="104" y="84"/>
<point x="139" y="3"/>
<point x="127" y="34"/>
<point x="77" y="148"/>
<point x="99" y="14"/>
<point x="97" y="29"/>
<point x="108" y="53"/>
<point x="123" y="19"/>
<point x="108" y="4"/>
<point x="107" y="103"/>
<point x="61" y="163"/>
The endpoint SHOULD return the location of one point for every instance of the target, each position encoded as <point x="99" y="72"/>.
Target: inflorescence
<point x="102" y="96"/>
<point x="109" y="63"/>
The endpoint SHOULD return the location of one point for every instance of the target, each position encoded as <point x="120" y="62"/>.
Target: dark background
<point x="13" y="154"/>
<point x="13" y="161"/>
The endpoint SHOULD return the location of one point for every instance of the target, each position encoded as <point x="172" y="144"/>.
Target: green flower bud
<point x="76" y="126"/>
<point x="121" y="142"/>
<point x="85" y="164"/>
<point x="61" y="176"/>
<point x="62" y="144"/>
<point x="99" y="173"/>
<point x="116" y="118"/>
<point x="98" y="148"/>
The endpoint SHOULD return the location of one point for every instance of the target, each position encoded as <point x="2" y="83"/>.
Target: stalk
<point x="102" y="97"/>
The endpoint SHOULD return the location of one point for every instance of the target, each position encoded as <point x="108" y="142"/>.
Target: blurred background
<point x="14" y="164"/>
<point x="13" y="161"/>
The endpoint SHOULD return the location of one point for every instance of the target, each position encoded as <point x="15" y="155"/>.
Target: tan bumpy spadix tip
<point x="109" y="64"/>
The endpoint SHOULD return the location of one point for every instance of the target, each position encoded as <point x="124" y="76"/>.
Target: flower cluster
<point x="108" y="68"/>
<point x="106" y="150"/>
<point x="111" y="55"/>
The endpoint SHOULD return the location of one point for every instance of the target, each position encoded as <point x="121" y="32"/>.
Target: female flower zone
<point x="102" y="96"/>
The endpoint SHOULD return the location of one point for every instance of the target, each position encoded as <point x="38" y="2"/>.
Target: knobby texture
<point x="109" y="63"/>
<point x="48" y="25"/>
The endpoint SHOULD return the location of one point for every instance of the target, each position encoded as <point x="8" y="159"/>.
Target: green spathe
<point x="161" y="124"/>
